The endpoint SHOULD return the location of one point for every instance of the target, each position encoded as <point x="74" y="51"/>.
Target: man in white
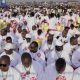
<point x="58" y="71"/>
<point x="36" y="53"/>
<point x="7" y="72"/>
<point x="29" y="69"/>
<point x="14" y="57"/>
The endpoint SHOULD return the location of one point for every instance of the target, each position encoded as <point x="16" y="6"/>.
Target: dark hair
<point x="26" y="55"/>
<point x="6" y="59"/>
<point x="72" y="26"/>
<point x="51" y="15"/>
<point x="60" y="63"/>
<point x="32" y="14"/>
<point x="72" y="38"/>
<point x="39" y="32"/>
<point x="8" y="38"/>
<point x="59" y="48"/>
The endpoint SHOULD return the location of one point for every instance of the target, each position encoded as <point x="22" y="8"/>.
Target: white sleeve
<point x="76" y="59"/>
<point x="17" y="75"/>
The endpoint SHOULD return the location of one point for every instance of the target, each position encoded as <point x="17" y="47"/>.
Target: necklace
<point x="5" y="76"/>
<point x="27" y="71"/>
<point x="24" y="74"/>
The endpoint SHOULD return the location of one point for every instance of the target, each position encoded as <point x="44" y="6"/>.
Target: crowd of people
<point x="39" y="43"/>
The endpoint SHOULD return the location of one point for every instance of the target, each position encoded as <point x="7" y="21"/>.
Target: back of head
<point x="25" y="56"/>
<point x="60" y="65"/>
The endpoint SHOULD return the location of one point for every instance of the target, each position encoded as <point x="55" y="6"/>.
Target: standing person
<point x="7" y="72"/>
<point x="29" y="69"/>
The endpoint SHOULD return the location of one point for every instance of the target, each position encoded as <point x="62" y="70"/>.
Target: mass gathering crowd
<point x="39" y="43"/>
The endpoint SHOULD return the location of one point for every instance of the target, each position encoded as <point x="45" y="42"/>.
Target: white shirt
<point x="39" y="57"/>
<point x="76" y="75"/>
<point x="52" y="23"/>
<point x="76" y="58"/>
<point x="11" y="74"/>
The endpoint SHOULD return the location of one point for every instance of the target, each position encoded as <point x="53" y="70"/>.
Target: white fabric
<point x="52" y="74"/>
<point x="12" y="74"/>
<point x="14" y="58"/>
<point x="36" y="71"/>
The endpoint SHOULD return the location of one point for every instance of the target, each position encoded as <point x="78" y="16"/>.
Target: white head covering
<point x="9" y="46"/>
<point x="28" y="36"/>
<point x="58" y="43"/>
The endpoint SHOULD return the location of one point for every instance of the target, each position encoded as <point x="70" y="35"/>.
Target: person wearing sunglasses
<point x="7" y="72"/>
<point x="14" y="56"/>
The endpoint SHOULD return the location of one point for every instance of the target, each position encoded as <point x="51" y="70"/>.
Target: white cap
<point x="58" y="43"/>
<point x="28" y="36"/>
<point x="9" y="46"/>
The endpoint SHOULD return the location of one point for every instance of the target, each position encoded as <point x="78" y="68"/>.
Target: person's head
<point x="50" y="39"/>
<point x="28" y="38"/>
<point x="51" y="15"/>
<point x="60" y="65"/>
<point x="4" y="63"/>
<point x="9" y="39"/>
<point x="34" y="27"/>
<point x="39" y="32"/>
<point x="65" y="31"/>
<point x="23" y="33"/>
<point x="3" y="32"/>
<point x="72" y="26"/>
<point x="19" y="29"/>
<point x="73" y="40"/>
<point x="33" y="47"/>
<point x="32" y="14"/>
<point x="70" y="13"/>
<point x="9" y="48"/>
<point x="58" y="46"/>
<point x="26" y="59"/>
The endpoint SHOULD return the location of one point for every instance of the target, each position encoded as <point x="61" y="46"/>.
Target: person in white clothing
<point x="36" y="53"/>
<point x="29" y="69"/>
<point x="14" y="56"/>
<point x="59" y="70"/>
<point x="7" y="72"/>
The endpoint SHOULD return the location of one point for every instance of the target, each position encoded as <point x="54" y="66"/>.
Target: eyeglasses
<point x="4" y="65"/>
